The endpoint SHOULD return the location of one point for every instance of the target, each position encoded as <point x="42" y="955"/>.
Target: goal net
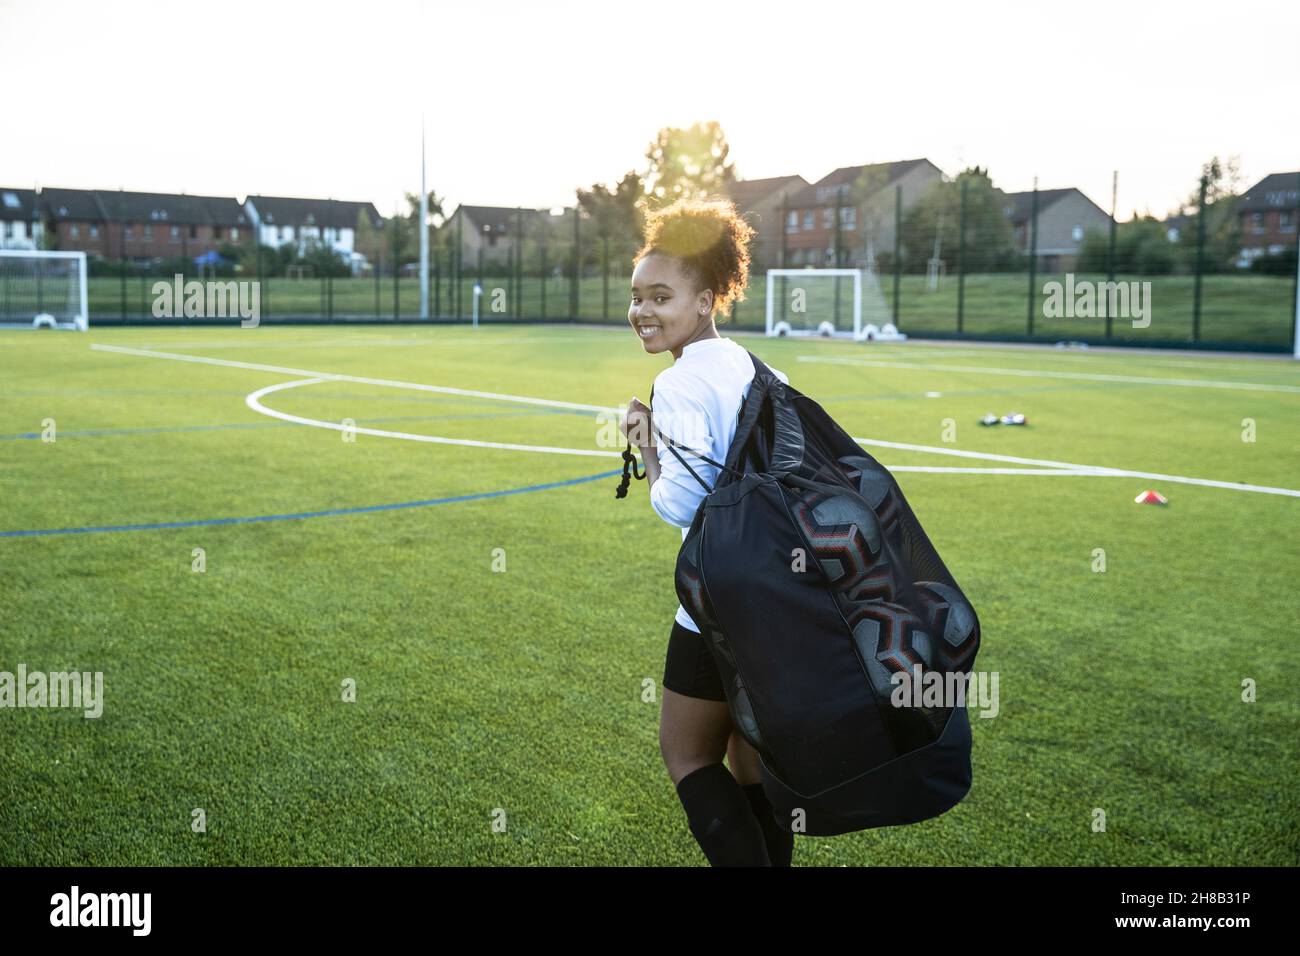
<point x="42" y="289"/>
<point x="827" y="302"/>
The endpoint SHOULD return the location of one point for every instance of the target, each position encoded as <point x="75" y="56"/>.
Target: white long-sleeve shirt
<point x="697" y="404"/>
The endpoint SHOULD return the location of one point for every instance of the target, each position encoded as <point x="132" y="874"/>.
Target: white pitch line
<point x="1096" y="471"/>
<point x="1059" y="467"/>
<point x="1086" y="376"/>
<point x="338" y="377"/>
<point x="253" y="401"/>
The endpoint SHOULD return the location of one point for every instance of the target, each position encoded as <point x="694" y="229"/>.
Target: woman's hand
<point x="637" y="424"/>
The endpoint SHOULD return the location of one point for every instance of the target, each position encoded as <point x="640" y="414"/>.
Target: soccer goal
<point x="838" y="303"/>
<point x="43" y="289"/>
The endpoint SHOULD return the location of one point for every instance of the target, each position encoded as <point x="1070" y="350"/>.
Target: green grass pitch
<point x="520" y="695"/>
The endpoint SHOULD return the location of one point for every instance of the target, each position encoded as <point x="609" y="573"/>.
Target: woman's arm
<point x="675" y="494"/>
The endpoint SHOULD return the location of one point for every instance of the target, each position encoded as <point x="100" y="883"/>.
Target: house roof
<point x="498" y="219"/>
<point x="79" y="204"/>
<point x="839" y="180"/>
<point x="745" y="192"/>
<point x="331" y="213"/>
<point x="108" y="205"/>
<point x="1019" y="206"/>
<point x="123" y="206"/>
<point x="1275" y="191"/>
<point x="18" y="204"/>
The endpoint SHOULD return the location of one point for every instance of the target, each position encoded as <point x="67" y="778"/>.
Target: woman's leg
<point x="743" y="760"/>
<point x="693" y="737"/>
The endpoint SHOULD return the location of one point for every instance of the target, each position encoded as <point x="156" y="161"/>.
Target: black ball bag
<point x="813" y="583"/>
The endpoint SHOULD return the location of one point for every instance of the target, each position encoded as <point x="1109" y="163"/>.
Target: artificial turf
<point x="529" y="696"/>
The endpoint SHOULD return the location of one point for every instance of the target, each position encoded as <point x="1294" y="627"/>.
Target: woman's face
<point x="667" y="312"/>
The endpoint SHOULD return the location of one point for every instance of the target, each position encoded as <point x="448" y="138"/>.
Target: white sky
<point x="526" y="101"/>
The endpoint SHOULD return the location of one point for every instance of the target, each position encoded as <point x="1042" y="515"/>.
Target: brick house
<point x="760" y="202"/>
<point x="20" y="219"/>
<point x="846" y="218"/>
<point x="134" y="225"/>
<point x="1065" y="216"/>
<point x="1267" y="214"/>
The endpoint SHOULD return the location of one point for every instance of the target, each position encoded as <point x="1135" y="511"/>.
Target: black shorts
<point x="689" y="669"/>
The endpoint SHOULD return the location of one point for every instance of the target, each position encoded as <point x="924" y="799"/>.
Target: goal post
<point x="813" y="302"/>
<point x="43" y="289"/>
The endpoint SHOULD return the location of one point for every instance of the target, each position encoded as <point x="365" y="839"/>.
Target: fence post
<point x="1033" y="254"/>
<point x="898" y="246"/>
<point x="379" y="260"/>
<point x="1295" y="296"/>
<point x="575" y="294"/>
<point x="519" y="263"/>
<point x="1110" y="251"/>
<point x="397" y="266"/>
<point x="546" y="227"/>
<point x="961" y="258"/>
<point x="460" y="253"/>
<point x="1200" y="262"/>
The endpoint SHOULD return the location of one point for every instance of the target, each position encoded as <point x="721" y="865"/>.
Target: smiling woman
<point x="694" y="264"/>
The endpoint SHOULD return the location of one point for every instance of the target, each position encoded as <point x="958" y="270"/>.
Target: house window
<point x="849" y="217"/>
<point x="9" y="230"/>
<point x="216" y="232"/>
<point x="128" y="233"/>
<point x="175" y="233"/>
<point x="234" y="233"/>
<point x="286" y="233"/>
<point x="194" y="231"/>
<point x="792" y="221"/>
<point x="74" y="230"/>
<point x="808" y="220"/>
<point x="11" y="201"/>
<point x="1257" y="223"/>
<point x="148" y="232"/>
<point x="1286" y="221"/>
<point x="1076" y="232"/>
<point x="828" y="218"/>
<point x="94" y="232"/>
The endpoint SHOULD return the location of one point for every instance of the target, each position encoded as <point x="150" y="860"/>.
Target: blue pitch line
<point x="156" y="429"/>
<point x="208" y="522"/>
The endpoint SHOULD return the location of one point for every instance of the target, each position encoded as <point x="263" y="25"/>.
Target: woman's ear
<point x="706" y="302"/>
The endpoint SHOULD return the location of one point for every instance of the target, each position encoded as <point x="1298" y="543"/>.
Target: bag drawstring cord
<point x="629" y="461"/>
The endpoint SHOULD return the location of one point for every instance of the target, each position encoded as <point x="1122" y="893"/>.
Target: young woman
<point x="695" y="264"/>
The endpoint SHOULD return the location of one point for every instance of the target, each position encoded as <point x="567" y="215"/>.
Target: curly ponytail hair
<point x="711" y="241"/>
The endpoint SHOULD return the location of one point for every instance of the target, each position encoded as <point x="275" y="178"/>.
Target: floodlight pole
<point x="478" y="291"/>
<point x="424" y="232"/>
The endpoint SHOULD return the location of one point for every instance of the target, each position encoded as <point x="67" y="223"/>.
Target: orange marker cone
<point x="1151" y="497"/>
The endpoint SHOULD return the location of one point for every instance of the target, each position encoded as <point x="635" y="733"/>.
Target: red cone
<point x="1151" y="497"/>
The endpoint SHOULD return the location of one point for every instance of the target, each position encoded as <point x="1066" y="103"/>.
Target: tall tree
<point x="687" y="164"/>
<point x="1223" y="184"/>
<point x="990" y="242"/>
<point x="615" y="213"/>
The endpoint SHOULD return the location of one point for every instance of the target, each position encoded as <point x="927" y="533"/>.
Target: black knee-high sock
<point x="721" y="819"/>
<point x="780" y="841"/>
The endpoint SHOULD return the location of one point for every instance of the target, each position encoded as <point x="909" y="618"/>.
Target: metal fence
<point x="957" y="277"/>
